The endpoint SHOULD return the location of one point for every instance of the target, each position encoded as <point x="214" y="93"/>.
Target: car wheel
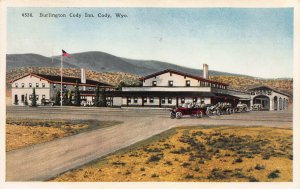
<point x="172" y="115"/>
<point x="178" y="115"/>
<point x="199" y="114"/>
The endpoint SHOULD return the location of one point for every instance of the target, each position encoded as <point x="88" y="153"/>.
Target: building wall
<point x="168" y="101"/>
<point x="22" y="87"/>
<point x="274" y="105"/>
<point x="163" y="80"/>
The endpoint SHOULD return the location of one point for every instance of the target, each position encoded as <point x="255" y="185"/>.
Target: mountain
<point x="101" y="62"/>
<point x="32" y="60"/>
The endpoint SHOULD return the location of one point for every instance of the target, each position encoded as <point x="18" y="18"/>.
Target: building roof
<point x="181" y="73"/>
<point x="66" y="80"/>
<point x="263" y="87"/>
<point x="166" y="94"/>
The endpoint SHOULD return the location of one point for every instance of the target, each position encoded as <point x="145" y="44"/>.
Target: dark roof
<point x="263" y="87"/>
<point x="73" y="80"/>
<point x="181" y="73"/>
<point x="167" y="94"/>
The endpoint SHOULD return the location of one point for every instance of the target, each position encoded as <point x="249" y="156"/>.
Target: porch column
<point x="159" y="102"/>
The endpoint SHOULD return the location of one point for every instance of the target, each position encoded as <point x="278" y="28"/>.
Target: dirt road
<point x="43" y="161"/>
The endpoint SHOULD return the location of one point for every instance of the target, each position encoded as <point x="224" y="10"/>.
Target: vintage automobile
<point x="213" y="110"/>
<point x="46" y="102"/>
<point x="256" y="107"/>
<point x="188" y="109"/>
<point x="225" y="108"/>
<point x="241" y="108"/>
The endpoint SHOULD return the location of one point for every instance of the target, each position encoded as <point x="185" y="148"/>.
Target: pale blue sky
<point x="256" y="42"/>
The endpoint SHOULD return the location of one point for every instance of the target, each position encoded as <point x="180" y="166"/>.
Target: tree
<point x="65" y="98"/>
<point x="25" y="101"/>
<point x="77" y="95"/>
<point x="33" y="100"/>
<point x="102" y="99"/>
<point x="57" y="98"/>
<point x="96" y="102"/>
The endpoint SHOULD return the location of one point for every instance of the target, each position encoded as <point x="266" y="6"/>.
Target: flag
<point x="64" y="53"/>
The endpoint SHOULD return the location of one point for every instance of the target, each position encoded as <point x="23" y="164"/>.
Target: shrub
<point x="154" y="175"/>
<point x="154" y="158"/>
<point x="238" y="160"/>
<point x="185" y="164"/>
<point x="259" y="167"/>
<point x="119" y="163"/>
<point x="252" y="179"/>
<point x="217" y="174"/>
<point x="274" y="174"/>
<point x="188" y="176"/>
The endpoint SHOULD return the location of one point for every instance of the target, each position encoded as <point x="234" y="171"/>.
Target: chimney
<point x="205" y="71"/>
<point x="83" y="77"/>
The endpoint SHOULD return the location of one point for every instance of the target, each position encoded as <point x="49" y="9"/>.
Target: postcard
<point x="155" y="94"/>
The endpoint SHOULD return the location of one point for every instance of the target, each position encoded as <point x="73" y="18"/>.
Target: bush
<point x="253" y="179"/>
<point x="259" y="167"/>
<point x="154" y="158"/>
<point x="154" y="175"/>
<point x="274" y="174"/>
<point x="238" y="160"/>
<point x="188" y="176"/>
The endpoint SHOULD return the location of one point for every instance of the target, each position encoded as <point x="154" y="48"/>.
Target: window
<point x="182" y="100"/>
<point x="195" y="99"/>
<point x="144" y="99"/>
<point x="54" y="86"/>
<point x="16" y="85"/>
<point x="65" y="86"/>
<point x="154" y="83"/>
<point x="169" y="100"/>
<point x="188" y="83"/>
<point x="43" y="84"/>
<point x="30" y="85"/>
<point x="135" y="100"/>
<point x="30" y="97"/>
<point x="23" y="85"/>
<point x="151" y="99"/>
<point x="43" y="96"/>
<point x="202" y="101"/>
<point x="37" y="84"/>
<point x="37" y="97"/>
<point x="170" y="83"/>
<point x="128" y="100"/>
<point x="163" y="100"/>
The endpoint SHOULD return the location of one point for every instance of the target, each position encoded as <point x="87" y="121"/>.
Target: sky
<point x="252" y="41"/>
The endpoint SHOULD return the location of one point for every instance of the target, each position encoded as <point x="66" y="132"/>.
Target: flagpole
<point x="61" y="78"/>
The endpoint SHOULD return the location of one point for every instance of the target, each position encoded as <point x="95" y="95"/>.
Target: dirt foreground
<point x="220" y="154"/>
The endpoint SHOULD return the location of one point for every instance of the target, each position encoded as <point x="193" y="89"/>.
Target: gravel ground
<point x="44" y="161"/>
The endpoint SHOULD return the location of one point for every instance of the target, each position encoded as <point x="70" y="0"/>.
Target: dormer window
<point x="23" y="85"/>
<point x="188" y="83"/>
<point x="154" y="83"/>
<point x="16" y="85"/>
<point x="170" y="83"/>
<point x="30" y="85"/>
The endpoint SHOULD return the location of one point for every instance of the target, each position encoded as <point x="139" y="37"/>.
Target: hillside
<point x="235" y="82"/>
<point x="101" y="62"/>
